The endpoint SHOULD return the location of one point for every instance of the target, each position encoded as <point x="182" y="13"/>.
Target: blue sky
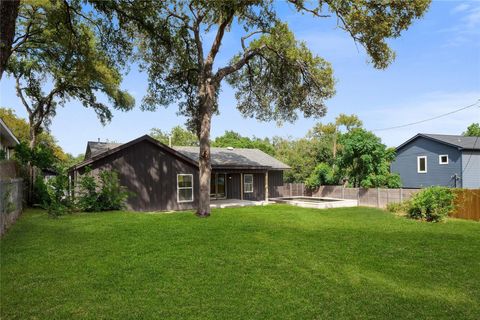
<point x="437" y="70"/>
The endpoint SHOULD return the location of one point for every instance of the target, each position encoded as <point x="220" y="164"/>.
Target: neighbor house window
<point x="443" y="159"/>
<point x="184" y="187"/>
<point x="422" y="164"/>
<point x="248" y="183"/>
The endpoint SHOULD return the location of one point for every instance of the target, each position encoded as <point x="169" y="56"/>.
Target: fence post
<point x="290" y="185"/>
<point x="378" y="197"/>
<point x="343" y="192"/>
<point x="401" y="194"/>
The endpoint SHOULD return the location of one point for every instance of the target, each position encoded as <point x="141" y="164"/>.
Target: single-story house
<point x="8" y="141"/>
<point x="439" y="160"/>
<point x="163" y="178"/>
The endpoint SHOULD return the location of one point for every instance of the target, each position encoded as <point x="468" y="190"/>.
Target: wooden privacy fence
<point x="467" y="204"/>
<point x="11" y="202"/>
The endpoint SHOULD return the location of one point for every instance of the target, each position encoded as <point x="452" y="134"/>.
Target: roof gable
<point x="9" y="136"/>
<point x="155" y="142"/>
<point x="456" y="141"/>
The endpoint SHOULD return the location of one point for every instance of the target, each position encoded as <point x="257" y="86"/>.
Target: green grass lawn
<point x="273" y="262"/>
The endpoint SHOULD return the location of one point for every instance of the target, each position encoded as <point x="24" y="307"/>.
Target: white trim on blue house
<point x="418" y="164"/>
<point x="440" y="156"/>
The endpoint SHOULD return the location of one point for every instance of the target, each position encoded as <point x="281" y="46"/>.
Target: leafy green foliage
<point x="431" y="204"/>
<point x="40" y="195"/>
<point x="60" y="58"/>
<point x="365" y="160"/>
<point x="179" y="136"/>
<point x="59" y="202"/>
<point x="234" y="139"/>
<point x="302" y="155"/>
<point x="473" y="130"/>
<point x="112" y="195"/>
<point x="87" y="194"/>
<point x="41" y="156"/>
<point x="21" y="129"/>
<point x="3" y="155"/>
<point x="323" y="174"/>
<point x="398" y="207"/>
<point x="385" y="179"/>
<point x="102" y="193"/>
<point x="284" y="78"/>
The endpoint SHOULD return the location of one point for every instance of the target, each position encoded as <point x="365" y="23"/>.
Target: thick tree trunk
<point x="207" y="100"/>
<point x="8" y="17"/>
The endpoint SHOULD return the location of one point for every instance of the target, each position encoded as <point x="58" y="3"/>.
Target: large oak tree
<point x="274" y="75"/>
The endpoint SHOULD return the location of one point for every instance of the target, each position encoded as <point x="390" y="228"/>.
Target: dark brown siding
<point x="233" y="186"/>
<point x="275" y="180"/>
<point x="150" y="174"/>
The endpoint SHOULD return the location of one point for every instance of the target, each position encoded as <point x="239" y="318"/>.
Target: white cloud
<point x="467" y="30"/>
<point x="424" y="107"/>
<point x="461" y="7"/>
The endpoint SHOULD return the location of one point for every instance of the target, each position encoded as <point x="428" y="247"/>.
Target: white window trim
<point x="418" y="164"/>
<point x="183" y="188"/>
<point x="245" y="184"/>
<point x="440" y="159"/>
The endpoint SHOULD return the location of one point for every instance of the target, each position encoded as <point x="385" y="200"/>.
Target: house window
<point x="422" y="164"/>
<point x="248" y="183"/>
<point x="184" y="187"/>
<point x="443" y="159"/>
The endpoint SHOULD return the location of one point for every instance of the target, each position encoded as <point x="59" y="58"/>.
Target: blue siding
<point x="471" y="169"/>
<point x="437" y="174"/>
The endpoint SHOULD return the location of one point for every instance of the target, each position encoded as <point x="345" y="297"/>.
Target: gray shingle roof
<point x="459" y="141"/>
<point x="99" y="147"/>
<point x="223" y="157"/>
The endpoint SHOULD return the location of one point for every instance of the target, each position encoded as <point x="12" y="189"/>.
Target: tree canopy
<point x="236" y="140"/>
<point x="57" y="57"/>
<point x="178" y="136"/>
<point x="473" y="130"/>
<point x="365" y="161"/>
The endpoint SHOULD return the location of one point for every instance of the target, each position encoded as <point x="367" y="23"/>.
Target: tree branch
<point x="20" y="94"/>
<point x="242" y="39"/>
<point x="315" y="11"/>
<point x="247" y="55"/>
<point x="217" y="42"/>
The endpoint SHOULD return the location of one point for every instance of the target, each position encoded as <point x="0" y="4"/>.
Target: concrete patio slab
<point x="229" y="203"/>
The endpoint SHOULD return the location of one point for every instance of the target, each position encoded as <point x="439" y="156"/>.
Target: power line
<point x="470" y="157"/>
<point x="425" y="120"/>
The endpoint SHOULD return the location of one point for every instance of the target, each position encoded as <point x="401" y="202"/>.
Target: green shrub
<point x="59" y="202"/>
<point x="431" y="204"/>
<point x="323" y="174"/>
<point x="87" y="199"/>
<point x="112" y="195"/>
<point x="40" y="194"/>
<point x="398" y="207"/>
<point x="104" y="193"/>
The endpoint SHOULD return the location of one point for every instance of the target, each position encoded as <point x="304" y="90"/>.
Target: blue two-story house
<point x="439" y="160"/>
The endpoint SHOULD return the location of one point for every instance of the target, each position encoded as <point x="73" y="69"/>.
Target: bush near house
<point x="431" y="204"/>
<point x="102" y="194"/>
